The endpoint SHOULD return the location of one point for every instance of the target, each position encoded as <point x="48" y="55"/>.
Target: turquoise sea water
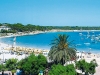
<point x="83" y="41"/>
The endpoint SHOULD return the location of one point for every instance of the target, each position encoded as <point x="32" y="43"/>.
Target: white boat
<point x="87" y="43"/>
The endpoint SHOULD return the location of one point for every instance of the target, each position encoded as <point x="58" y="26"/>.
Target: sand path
<point x="97" y="70"/>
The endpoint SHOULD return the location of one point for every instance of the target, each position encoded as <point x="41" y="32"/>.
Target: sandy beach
<point x="86" y="56"/>
<point x="89" y="57"/>
<point x="5" y="51"/>
<point x="4" y="46"/>
<point x="38" y="32"/>
<point x="97" y="58"/>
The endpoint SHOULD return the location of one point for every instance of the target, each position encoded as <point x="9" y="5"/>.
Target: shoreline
<point x="39" y="32"/>
<point x="22" y="34"/>
<point x="87" y="57"/>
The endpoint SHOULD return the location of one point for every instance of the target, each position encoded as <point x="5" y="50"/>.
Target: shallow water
<point x="83" y="41"/>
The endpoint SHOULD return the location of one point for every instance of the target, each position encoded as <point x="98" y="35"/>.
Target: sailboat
<point x="88" y="34"/>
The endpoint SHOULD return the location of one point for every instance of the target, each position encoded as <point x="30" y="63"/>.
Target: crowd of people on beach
<point x="8" y="51"/>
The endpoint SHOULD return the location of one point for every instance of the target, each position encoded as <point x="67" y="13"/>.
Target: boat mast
<point x="14" y="43"/>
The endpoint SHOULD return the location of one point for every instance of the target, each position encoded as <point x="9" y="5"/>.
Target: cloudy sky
<point x="51" y="12"/>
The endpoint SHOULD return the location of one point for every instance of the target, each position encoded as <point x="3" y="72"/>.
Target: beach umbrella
<point x="36" y="51"/>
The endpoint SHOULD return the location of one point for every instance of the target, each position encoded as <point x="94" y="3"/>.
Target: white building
<point x="4" y="28"/>
<point x="80" y="55"/>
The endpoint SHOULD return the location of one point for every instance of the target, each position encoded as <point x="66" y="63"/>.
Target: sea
<point x="88" y="41"/>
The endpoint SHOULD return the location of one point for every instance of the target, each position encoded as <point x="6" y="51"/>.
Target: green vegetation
<point x="18" y="27"/>
<point x="11" y="64"/>
<point x="62" y="50"/>
<point x="88" y="68"/>
<point x="33" y="64"/>
<point x="30" y="65"/>
<point x="0" y="67"/>
<point x="8" y="31"/>
<point x="62" y="70"/>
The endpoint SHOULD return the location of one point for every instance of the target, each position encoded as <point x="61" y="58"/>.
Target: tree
<point x="11" y="65"/>
<point x="92" y="65"/>
<point x="2" y="67"/>
<point x="82" y="65"/>
<point x="57" y="70"/>
<point x="62" y="50"/>
<point x="0" y="24"/>
<point x="33" y="64"/>
<point x="70" y="69"/>
<point x="62" y="70"/>
<point x="88" y="68"/>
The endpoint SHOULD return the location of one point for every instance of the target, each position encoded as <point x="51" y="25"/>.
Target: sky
<point x="51" y="12"/>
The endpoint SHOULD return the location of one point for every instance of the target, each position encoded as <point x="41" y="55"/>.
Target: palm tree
<point x="61" y="50"/>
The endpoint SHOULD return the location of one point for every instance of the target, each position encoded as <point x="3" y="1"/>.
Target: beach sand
<point x="87" y="57"/>
<point x="5" y="50"/>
